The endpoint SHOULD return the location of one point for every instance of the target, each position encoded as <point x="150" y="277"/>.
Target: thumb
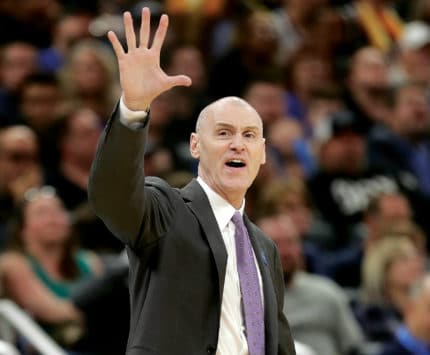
<point x="179" y="80"/>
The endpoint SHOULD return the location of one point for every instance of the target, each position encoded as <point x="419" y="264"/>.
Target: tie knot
<point x="237" y="219"/>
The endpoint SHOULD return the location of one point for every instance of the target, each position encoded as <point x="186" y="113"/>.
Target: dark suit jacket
<point x="176" y="252"/>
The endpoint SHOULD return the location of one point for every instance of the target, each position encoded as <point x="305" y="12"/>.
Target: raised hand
<point x="141" y="77"/>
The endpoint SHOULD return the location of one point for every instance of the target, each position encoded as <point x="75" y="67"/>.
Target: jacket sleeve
<point x="135" y="211"/>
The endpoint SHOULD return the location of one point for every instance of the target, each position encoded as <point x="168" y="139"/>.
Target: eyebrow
<point x="228" y="125"/>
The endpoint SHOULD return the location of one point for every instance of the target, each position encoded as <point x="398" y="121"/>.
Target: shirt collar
<point x="222" y="210"/>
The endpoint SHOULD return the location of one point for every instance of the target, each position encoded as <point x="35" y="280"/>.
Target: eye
<point x="250" y="135"/>
<point x="223" y="133"/>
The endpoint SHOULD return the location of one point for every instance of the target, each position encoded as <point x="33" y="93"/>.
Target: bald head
<point x="216" y="107"/>
<point x="230" y="147"/>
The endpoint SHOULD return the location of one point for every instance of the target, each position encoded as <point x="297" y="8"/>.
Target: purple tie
<point x="250" y="288"/>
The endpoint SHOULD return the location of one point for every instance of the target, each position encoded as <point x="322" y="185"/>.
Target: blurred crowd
<point x="343" y="89"/>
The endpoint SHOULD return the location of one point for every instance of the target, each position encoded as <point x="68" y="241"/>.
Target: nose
<point x="237" y="142"/>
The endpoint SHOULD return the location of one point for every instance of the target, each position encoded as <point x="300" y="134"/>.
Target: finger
<point x="145" y="27"/>
<point x="130" y="36"/>
<point x="179" y="80"/>
<point x="116" y="45"/>
<point x="160" y="34"/>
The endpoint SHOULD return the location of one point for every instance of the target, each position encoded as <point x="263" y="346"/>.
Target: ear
<point x="195" y="145"/>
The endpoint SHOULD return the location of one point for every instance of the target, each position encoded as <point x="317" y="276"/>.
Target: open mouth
<point x="235" y="163"/>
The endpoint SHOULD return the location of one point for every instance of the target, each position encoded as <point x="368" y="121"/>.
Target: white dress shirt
<point x="231" y="333"/>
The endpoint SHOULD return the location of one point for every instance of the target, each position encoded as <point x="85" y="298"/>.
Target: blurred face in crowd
<point x="261" y="35"/>
<point x="46" y="221"/>
<point x="394" y="208"/>
<point x="80" y="142"/>
<point x="188" y="60"/>
<point x="267" y="99"/>
<point x="18" y="60"/>
<point x="230" y="147"/>
<point x="369" y="70"/>
<point x="343" y="153"/>
<point x="40" y="103"/>
<point x="411" y="114"/>
<point x="401" y="274"/>
<point x="89" y="73"/>
<point x="295" y="206"/>
<point x="281" y="230"/>
<point x="310" y="73"/>
<point x="70" y="30"/>
<point x="18" y="153"/>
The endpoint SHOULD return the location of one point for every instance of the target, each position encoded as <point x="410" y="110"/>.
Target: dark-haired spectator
<point x="78" y="133"/>
<point x="68" y="30"/>
<point x="402" y="146"/>
<point x="17" y="61"/>
<point x="306" y="71"/>
<point x="43" y="266"/>
<point x="367" y="86"/>
<point x="344" y="183"/>
<point x="253" y="53"/>
<point x="19" y="170"/>
<point x="40" y="103"/>
<point x="385" y="212"/>
<point x="293" y="21"/>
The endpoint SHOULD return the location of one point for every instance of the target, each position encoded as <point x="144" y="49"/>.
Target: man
<point x="317" y="308"/>
<point x="187" y="292"/>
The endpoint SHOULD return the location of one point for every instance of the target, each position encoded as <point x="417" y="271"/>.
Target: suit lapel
<point x="198" y="202"/>
<point x="270" y="312"/>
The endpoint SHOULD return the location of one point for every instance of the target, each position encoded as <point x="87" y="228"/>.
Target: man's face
<point x="267" y="99"/>
<point x="230" y="146"/>
<point x="283" y="232"/>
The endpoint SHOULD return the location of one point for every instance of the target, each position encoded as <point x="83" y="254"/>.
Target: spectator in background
<point x="306" y="71"/>
<point x="17" y="61"/>
<point x="386" y="212"/>
<point x="413" y="337"/>
<point x="68" y="31"/>
<point x="40" y="103"/>
<point x="43" y="265"/>
<point x="402" y="146"/>
<point x="89" y="77"/>
<point x="345" y="183"/>
<point x="253" y="53"/>
<point x="19" y="170"/>
<point x="293" y="21"/>
<point x="78" y="133"/>
<point x="367" y="85"/>
<point x="389" y="270"/>
<point x="413" y="57"/>
<point x="317" y="309"/>
<point x="266" y="94"/>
